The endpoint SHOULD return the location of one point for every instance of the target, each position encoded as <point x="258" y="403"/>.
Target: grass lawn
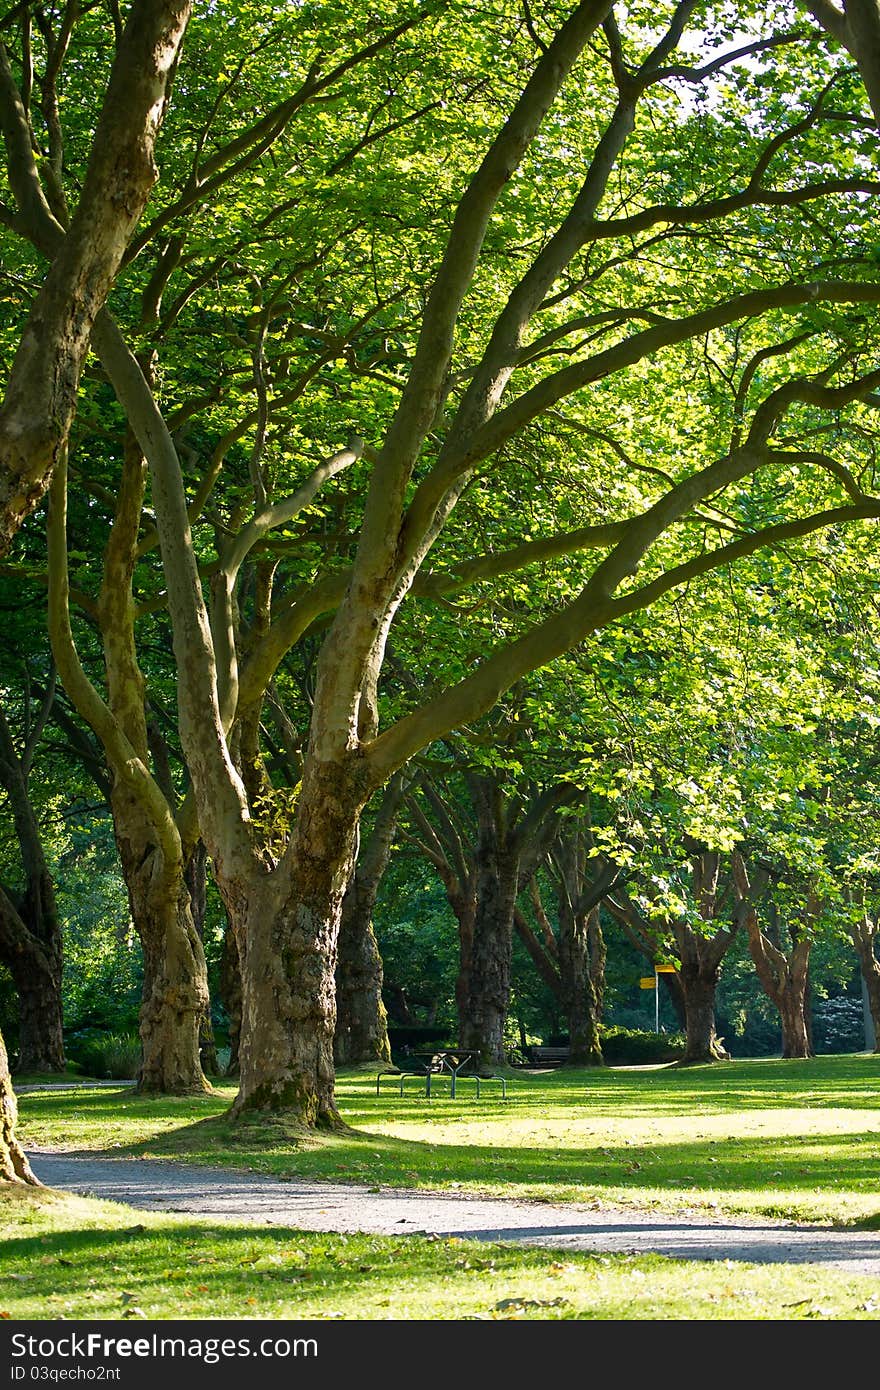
<point x="65" y="1257"/>
<point x="793" y="1139"/>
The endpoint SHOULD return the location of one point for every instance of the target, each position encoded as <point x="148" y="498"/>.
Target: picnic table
<point x="456" y="1063"/>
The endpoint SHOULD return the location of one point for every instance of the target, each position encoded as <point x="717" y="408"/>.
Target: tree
<point x="361" y="1020"/>
<point x="462" y="387"/>
<point x="485" y="855"/>
<point x="572" y="960"/>
<point x="285" y="1063"/>
<point x="87" y="249"/>
<point x="782" y="964"/>
<point x="699" y="939"/>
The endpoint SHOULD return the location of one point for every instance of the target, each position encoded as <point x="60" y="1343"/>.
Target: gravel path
<point x="221" y="1194"/>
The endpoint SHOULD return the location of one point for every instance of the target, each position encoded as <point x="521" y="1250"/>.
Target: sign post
<point x="658" y="971"/>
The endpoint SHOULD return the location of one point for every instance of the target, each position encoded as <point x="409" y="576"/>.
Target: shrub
<point x="110" y="1056"/>
<point x="632" y="1046"/>
<point x="839" y="1025"/>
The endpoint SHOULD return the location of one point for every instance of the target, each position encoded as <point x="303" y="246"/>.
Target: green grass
<point x="67" y="1257"/>
<point x="799" y="1140"/>
<point x="793" y="1139"/>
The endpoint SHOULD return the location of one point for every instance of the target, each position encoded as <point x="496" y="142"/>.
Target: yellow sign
<point x="665" y="969"/>
<point x="647" y="982"/>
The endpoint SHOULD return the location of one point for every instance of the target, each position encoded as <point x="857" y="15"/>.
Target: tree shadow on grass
<point x="789" y="1175"/>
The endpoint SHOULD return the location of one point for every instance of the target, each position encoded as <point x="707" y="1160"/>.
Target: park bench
<point x="457" y="1065"/>
<point x="548" y="1056"/>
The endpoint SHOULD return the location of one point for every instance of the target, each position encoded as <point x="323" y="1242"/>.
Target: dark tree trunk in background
<point x="361" y="1021"/>
<point x="672" y="984"/>
<point x="864" y="935"/>
<point x="784" y="978"/>
<point x="583" y="986"/>
<point x="197" y="883"/>
<point x="230" y="995"/>
<point x="699" y="982"/>
<point x="40" y="1028"/>
<point x="30" y="931"/>
<point x="482" y="1024"/>
<point x="31" y="950"/>
<point x="483" y="869"/>
<point x="581" y="948"/>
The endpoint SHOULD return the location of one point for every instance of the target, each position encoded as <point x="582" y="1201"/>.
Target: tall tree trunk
<point x="701" y="954"/>
<point x="675" y="993"/>
<point x="175" y="993"/>
<point x="14" y="1166"/>
<point x="40" y="1028"/>
<point x="784" y="979"/>
<point x="230" y="994"/>
<point x="31" y="949"/>
<point x="197" y="884"/>
<point x="30" y="931"/>
<point x="792" y="1013"/>
<point x="699" y="982"/>
<point x="864" y="935"/>
<point x="464" y="905"/>
<point x="361" y="1021"/>
<point x="287" y="926"/>
<point x="579" y="995"/>
<point x="482" y="1025"/>
<point x="581" y="948"/>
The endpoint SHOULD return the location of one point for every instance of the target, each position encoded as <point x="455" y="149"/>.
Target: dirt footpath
<point x="219" y="1194"/>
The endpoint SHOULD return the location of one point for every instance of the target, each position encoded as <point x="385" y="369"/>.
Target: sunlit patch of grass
<point x="792" y="1139"/>
<point x="67" y="1257"/>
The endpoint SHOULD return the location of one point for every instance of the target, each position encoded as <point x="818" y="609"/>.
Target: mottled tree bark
<point x="175" y="993"/>
<point x="784" y="978"/>
<point x="482" y="1024"/>
<point x="699" y="982"/>
<point x="196" y="878"/>
<point x="864" y="936"/>
<point x="14" y="1166"/>
<point x="230" y="994"/>
<point x="152" y="853"/>
<point x="287" y="929"/>
<point x="41" y="393"/>
<point x="361" y="1021"/>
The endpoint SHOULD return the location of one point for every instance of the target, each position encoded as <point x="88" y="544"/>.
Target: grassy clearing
<point x="66" y="1257"/>
<point x="799" y="1140"/>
